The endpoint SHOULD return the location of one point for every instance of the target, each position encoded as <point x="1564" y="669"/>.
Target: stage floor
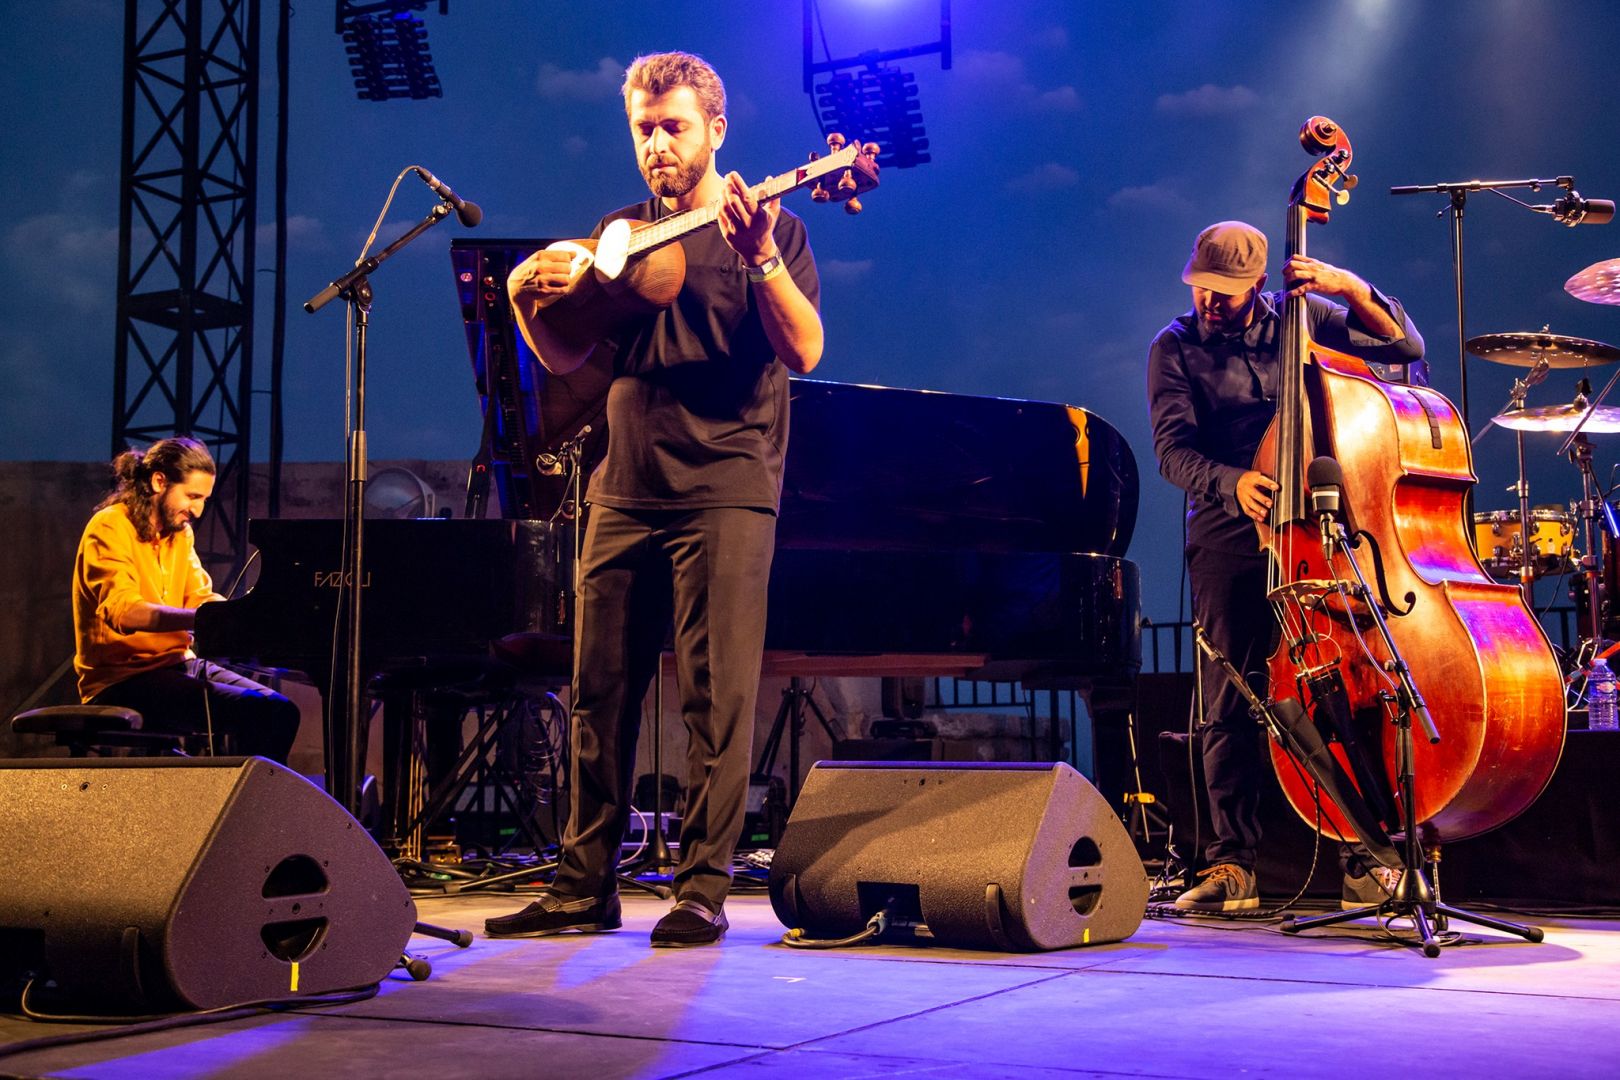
<point x="1179" y="999"/>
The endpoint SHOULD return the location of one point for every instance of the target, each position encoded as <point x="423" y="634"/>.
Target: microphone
<point x="555" y="464"/>
<point x="470" y="213"/>
<point x="1572" y="210"/>
<point x="1324" y="477"/>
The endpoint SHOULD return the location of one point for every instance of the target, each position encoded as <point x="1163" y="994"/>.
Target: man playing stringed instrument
<point x="1212" y="389"/>
<point x="683" y="506"/>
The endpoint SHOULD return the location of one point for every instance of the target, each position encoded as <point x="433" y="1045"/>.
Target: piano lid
<point x="874" y="467"/>
<point x="867" y="467"/>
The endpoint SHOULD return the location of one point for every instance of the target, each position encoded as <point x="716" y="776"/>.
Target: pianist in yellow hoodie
<point x="137" y="583"/>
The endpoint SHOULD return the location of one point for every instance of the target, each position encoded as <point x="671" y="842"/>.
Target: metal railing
<point x="1168" y="646"/>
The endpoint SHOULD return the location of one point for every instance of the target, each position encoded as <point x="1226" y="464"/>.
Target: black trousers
<point x="709" y="569"/>
<point x="1229" y="601"/>
<point x="183" y="699"/>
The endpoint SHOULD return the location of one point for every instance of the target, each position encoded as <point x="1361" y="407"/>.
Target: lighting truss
<point x="183" y="361"/>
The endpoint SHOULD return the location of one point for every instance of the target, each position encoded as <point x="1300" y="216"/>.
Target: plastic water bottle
<point x="1600" y="697"/>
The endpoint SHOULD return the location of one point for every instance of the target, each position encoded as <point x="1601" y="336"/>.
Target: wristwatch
<point x="765" y="270"/>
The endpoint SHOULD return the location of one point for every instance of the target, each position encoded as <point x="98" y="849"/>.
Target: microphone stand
<point x="1289" y="726"/>
<point x="1415" y="896"/>
<point x="1593" y="505"/>
<point x="1458" y="193"/>
<point x="344" y="746"/>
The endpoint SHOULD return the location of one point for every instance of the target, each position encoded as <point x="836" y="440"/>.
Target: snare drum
<point x="1501" y="538"/>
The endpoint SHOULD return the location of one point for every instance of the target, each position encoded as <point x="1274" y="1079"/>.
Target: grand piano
<point x="920" y="533"/>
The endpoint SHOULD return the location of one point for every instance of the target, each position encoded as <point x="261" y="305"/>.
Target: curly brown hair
<point x="659" y="73"/>
<point x="175" y="458"/>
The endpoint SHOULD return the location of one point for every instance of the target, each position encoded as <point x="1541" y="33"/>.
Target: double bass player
<point x="1212" y="388"/>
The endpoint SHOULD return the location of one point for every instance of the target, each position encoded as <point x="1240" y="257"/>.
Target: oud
<point x="636" y="268"/>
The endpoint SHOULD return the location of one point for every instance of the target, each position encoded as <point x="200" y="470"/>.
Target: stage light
<point x="877" y="103"/>
<point x="388" y="49"/>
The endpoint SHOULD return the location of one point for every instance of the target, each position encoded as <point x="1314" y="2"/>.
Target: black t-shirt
<point x="698" y="409"/>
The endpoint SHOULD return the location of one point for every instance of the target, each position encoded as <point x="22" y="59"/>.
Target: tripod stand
<point x="796" y="698"/>
<point x="1415" y="896"/>
<point x="656" y="859"/>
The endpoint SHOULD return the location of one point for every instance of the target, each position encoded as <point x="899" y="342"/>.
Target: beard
<point x="171" y="519"/>
<point x="683" y="179"/>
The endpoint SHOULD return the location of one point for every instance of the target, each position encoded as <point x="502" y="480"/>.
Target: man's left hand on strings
<point x="746" y="222"/>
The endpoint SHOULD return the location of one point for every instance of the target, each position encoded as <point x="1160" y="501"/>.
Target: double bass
<point x="1486" y="680"/>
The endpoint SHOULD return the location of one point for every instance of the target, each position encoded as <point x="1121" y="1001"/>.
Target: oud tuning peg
<point x="870" y="149"/>
<point x="1351" y="180"/>
<point x="1341" y="197"/>
<point x="835" y="141"/>
<point x="847" y="181"/>
<point x="814" y="156"/>
<point x="852" y="206"/>
<point x="820" y="194"/>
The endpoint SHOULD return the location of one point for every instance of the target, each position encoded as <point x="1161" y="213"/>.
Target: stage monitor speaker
<point x="1000" y="856"/>
<point x="155" y="884"/>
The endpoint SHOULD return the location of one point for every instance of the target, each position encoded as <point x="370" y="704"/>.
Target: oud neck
<point x="669" y="229"/>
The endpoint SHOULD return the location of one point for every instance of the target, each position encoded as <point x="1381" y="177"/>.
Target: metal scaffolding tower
<point x="184" y="356"/>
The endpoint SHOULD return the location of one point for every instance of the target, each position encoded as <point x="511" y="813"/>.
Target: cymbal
<point x="1597" y="284"/>
<point x="1525" y="350"/>
<point x="1605" y="418"/>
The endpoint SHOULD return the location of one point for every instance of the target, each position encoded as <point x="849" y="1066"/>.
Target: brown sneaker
<point x="1225" y="887"/>
<point x="1373" y="887"/>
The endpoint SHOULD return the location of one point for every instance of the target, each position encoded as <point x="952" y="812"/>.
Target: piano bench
<point x="86" y="728"/>
<point x="537" y="659"/>
<point x="458" y="679"/>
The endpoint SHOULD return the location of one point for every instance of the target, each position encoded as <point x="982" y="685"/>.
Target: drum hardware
<point x="1593" y="508"/>
<point x="1597" y="284"/>
<point x="1541" y="352"/>
<point x="1535" y="349"/>
<point x="1503" y="540"/>
<point x="1600" y="419"/>
<point x="1521" y="387"/>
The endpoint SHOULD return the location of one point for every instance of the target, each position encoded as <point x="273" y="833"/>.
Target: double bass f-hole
<point x="1384" y="598"/>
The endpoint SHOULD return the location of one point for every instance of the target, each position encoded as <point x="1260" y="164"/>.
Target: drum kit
<point x="1529" y="543"/>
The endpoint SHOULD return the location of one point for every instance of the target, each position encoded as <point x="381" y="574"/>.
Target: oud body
<point x="600" y="305"/>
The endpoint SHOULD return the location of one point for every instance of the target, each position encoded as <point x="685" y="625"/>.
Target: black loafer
<point x="552" y="914"/>
<point x="690" y="922"/>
